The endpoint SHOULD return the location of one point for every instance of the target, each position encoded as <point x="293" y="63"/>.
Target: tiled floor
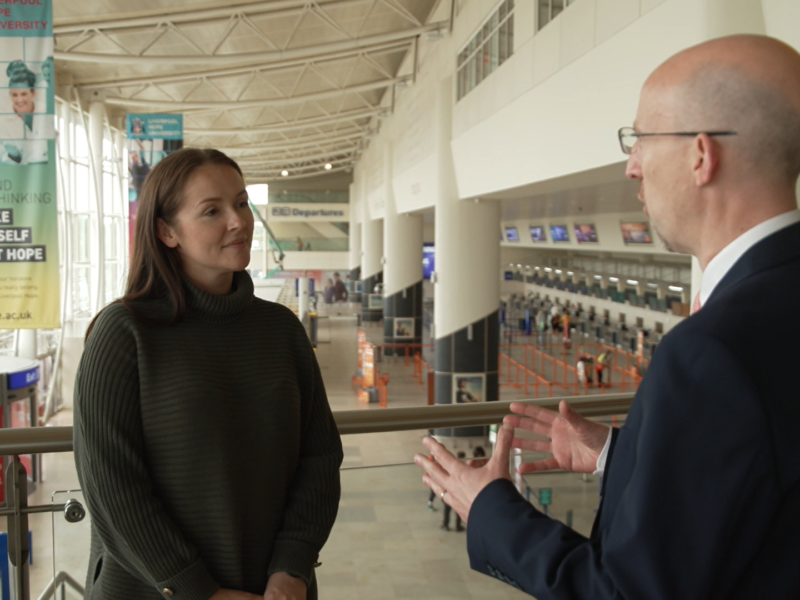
<point x="385" y="543"/>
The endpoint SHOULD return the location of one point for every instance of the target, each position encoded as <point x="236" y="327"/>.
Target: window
<point x="549" y="10"/>
<point x="489" y="48"/>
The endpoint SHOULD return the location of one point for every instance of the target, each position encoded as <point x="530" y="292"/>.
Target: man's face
<point x="662" y="166"/>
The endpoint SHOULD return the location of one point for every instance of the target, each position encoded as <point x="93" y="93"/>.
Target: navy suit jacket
<point x="701" y="493"/>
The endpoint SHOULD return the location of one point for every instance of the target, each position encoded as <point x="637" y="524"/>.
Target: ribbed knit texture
<point x="206" y="450"/>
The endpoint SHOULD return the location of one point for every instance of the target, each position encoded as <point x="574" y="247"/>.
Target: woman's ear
<point x="166" y="235"/>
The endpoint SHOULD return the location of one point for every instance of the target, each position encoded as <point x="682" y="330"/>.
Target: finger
<point x="534" y="412"/>
<point x="431" y="468"/>
<point x="533" y="445"/>
<point x="437" y="488"/>
<point x="505" y="436"/>
<point x="531" y="425"/>
<point x="548" y="464"/>
<point x="449" y="462"/>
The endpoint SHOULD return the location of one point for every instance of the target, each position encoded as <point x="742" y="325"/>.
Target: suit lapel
<point x="778" y="248"/>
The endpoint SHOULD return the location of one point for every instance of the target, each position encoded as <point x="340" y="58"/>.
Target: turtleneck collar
<point x="220" y="307"/>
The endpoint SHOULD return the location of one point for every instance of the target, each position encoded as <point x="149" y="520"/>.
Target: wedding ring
<point x="442" y="494"/>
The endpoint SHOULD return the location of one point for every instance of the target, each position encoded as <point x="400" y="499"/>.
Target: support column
<point x="371" y="267"/>
<point x="402" y="275"/>
<point x="355" y="247"/>
<point x="466" y="292"/>
<point x="97" y="114"/>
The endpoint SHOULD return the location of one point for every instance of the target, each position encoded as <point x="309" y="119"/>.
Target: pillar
<point x="97" y="114"/>
<point x="354" y="264"/>
<point x="467" y="288"/>
<point x="371" y="263"/>
<point x="402" y="271"/>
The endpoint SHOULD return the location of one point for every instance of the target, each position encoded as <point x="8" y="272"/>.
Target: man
<point x="701" y="492"/>
<point x="340" y="293"/>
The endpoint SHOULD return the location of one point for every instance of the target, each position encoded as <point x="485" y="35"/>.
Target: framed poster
<point x="359" y="287"/>
<point x="585" y="233"/>
<point x="637" y="232"/>
<point x="511" y="234"/>
<point x="559" y="233"/>
<point x="403" y="327"/>
<point x="469" y="387"/>
<point x="375" y="302"/>
<point x="538" y="234"/>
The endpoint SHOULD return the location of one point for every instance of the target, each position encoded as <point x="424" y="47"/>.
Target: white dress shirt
<point x="716" y="271"/>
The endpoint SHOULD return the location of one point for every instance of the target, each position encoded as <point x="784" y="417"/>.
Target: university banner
<point x="29" y="280"/>
<point x="150" y="138"/>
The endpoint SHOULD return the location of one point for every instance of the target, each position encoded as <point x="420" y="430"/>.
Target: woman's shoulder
<point x="121" y="319"/>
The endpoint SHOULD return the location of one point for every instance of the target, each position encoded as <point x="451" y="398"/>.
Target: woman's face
<point x="213" y="229"/>
<point x="22" y="99"/>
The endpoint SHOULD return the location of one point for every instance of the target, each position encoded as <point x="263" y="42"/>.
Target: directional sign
<point x="545" y="496"/>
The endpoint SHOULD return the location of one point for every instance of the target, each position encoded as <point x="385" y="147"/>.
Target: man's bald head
<point x="747" y="84"/>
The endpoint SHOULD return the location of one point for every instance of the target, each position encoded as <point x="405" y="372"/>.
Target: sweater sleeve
<point x="313" y="499"/>
<point x="110" y="459"/>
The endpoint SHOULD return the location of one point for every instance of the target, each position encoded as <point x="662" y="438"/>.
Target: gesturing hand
<point x="575" y="442"/>
<point x="282" y="586"/>
<point x="460" y="483"/>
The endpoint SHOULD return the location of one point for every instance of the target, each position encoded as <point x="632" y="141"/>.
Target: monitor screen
<point x="538" y="234"/>
<point x="428" y="260"/>
<point x="585" y="234"/>
<point x="559" y="233"/>
<point x="637" y="232"/>
<point x="511" y="234"/>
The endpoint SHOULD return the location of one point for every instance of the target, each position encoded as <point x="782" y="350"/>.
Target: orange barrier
<point x="407" y="348"/>
<point x="529" y="378"/>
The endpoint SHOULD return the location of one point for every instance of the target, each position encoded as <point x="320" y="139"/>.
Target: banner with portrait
<point x="151" y="138"/>
<point x="29" y="278"/>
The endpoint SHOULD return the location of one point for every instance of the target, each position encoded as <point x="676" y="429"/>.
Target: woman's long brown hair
<point x="155" y="269"/>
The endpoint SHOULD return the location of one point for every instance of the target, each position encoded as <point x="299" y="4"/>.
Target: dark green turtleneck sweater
<point x="207" y="451"/>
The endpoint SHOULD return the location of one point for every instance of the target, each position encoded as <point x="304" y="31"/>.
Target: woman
<point x="204" y="442"/>
<point x="24" y="125"/>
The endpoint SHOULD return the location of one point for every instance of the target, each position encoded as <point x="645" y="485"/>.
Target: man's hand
<point x="574" y="442"/>
<point x="233" y="595"/>
<point x="282" y="586"/>
<point x="460" y="483"/>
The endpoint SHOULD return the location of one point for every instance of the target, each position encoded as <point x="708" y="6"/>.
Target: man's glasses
<point x="628" y="136"/>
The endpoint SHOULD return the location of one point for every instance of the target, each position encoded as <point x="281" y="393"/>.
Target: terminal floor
<point x="385" y="544"/>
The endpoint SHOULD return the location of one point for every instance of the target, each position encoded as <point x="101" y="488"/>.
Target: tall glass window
<point x="549" y="10"/>
<point x="489" y="48"/>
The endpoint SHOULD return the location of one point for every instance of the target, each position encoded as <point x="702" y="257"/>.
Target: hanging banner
<point x="150" y="139"/>
<point x="29" y="280"/>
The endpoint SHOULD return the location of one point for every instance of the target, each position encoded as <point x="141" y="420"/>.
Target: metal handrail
<point x="59" y="439"/>
<point x="61" y="578"/>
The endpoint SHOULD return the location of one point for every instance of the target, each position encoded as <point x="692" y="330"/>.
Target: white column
<point x="97" y="114"/>
<point x="402" y="240"/>
<point x="372" y="241"/>
<point x="355" y="231"/>
<point x="303" y="300"/>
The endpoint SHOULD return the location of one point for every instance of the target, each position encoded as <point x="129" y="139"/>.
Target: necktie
<point x="696" y="306"/>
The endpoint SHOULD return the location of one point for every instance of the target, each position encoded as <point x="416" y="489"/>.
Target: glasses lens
<point x="627" y="139"/>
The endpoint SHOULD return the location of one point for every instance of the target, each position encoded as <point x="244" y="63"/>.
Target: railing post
<point x="18" y="548"/>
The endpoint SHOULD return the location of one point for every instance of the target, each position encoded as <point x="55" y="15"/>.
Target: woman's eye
<point x="210" y="213"/>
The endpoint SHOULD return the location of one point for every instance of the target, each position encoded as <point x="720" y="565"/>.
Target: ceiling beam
<point x="162" y="106"/>
<point x="233" y="58"/>
<point x="350" y="115"/>
<point x="276" y="179"/>
<point x="243" y="70"/>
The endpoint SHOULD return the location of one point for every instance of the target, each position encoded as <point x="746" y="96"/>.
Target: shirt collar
<point x="722" y="262"/>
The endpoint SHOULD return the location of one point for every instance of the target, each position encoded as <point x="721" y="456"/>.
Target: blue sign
<point x="23" y="379"/>
<point x="428" y="260"/>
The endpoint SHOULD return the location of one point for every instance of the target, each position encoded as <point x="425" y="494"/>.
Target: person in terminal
<point x="204" y="442"/>
<point x="701" y="487"/>
<point x="340" y="293"/>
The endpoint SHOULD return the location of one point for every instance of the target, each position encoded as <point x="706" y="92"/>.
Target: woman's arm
<point x="313" y="498"/>
<point x="109" y="455"/>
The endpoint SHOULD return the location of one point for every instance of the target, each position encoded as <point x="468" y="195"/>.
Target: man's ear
<point x="165" y="234"/>
<point x="705" y="159"/>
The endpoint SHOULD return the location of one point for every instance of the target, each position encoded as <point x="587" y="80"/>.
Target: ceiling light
<point x="548" y="270"/>
<point x="328" y="166"/>
<point x="652" y="285"/>
<point x="570" y="273"/>
<point x="434" y="36"/>
<point x="598" y="277"/>
<point x="632" y="282"/>
<point x="613" y="279"/>
<point x="558" y="271"/>
<point x="284" y="173"/>
<point x="536" y="268"/>
<point x="675" y="288"/>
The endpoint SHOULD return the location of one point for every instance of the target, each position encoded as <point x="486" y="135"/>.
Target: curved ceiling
<point x="290" y="85"/>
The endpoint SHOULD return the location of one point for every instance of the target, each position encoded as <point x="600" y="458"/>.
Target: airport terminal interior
<point x="439" y="195"/>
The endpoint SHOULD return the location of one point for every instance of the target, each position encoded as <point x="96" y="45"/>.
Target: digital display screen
<point x="559" y="233"/>
<point x="538" y="234"/>
<point x="636" y="233"/>
<point x="428" y="260"/>
<point x="585" y="234"/>
<point x="511" y="234"/>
